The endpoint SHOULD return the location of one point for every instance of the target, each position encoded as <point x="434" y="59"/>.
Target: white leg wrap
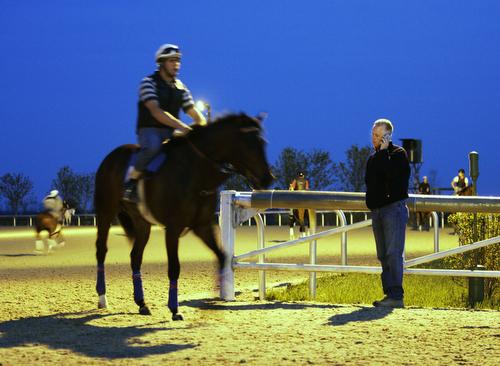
<point x="39" y="246"/>
<point x="292" y="235"/>
<point x="52" y="245"/>
<point x="103" y="302"/>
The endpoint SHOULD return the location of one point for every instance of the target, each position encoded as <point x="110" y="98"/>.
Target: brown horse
<point x="181" y="195"/>
<point x="45" y="221"/>
<point x="298" y="216"/>
<point x="466" y="191"/>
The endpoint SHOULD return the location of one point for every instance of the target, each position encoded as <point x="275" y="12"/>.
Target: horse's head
<point x="247" y="150"/>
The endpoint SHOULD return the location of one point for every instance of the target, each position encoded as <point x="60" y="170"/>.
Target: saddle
<point x="152" y="167"/>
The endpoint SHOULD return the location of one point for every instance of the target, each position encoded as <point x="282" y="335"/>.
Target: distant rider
<point x="53" y="203"/>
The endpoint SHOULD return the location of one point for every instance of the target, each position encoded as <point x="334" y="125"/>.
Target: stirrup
<point x="130" y="191"/>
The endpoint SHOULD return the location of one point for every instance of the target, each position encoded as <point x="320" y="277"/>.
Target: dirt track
<point x="48" y="316"/>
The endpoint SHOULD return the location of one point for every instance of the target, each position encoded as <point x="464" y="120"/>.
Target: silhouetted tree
<point x="68" y="184"/>
<point x="319" y="170"/>
<point x="236" y="182"/>
<point x="315" y="164"/>
<point x="87" y="191"/>
<point x="76" y="189"/>
<point x="15" y="188"/>
<point x="289" y="162"/>
<point x="349" y="175"/>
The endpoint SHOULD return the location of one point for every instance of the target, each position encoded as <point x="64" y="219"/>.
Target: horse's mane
<point x="233" y="119"/>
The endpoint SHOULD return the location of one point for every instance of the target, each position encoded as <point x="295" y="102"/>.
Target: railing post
<point x="227" y="238"/>
<point x="279" y="219"/>
<point x="312" y="253"/>
<point x="343" y="237"/>
<point x="435" y="219"/>
<point x="14" y="221"/>
<point x="260" y="238"/>
<point x="476" y="288"/>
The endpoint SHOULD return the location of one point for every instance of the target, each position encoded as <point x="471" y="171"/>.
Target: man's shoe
<point x="389" y="302"/>
<point x="377" y="302"/>
<point x="130" y="191"/>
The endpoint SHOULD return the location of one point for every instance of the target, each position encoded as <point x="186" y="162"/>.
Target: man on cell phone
<point x="386" y="178"/>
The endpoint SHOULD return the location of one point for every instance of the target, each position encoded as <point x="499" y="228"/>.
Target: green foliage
<point x="350" y="175"/>
<point x="15" y="188"/>
<point x="315" y="164"/>
<point x="487" y="226"/>
<point x="358" y="288"/>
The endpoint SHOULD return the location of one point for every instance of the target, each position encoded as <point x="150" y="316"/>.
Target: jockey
<point x="161" y="96"/>
<point x="300" y="183"/>
<point x="53" y="203"/>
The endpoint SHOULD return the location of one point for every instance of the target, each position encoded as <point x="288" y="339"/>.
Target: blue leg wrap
<point x="173" y="303"/>
<point x="138" y="293"/>
<point x="101" y="281"/>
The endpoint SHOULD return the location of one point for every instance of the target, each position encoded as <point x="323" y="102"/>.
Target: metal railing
<point x="237" y="207"/>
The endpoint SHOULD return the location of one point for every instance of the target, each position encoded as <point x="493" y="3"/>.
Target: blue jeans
<point x="389" y="229"/>
<point x="150" y="139"/>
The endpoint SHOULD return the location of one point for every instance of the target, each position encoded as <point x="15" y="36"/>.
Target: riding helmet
<point x="167" y="50"/>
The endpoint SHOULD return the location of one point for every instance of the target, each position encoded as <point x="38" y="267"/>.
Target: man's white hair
<point x="384" y="122"/>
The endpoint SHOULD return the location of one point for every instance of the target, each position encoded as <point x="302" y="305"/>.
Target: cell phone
<point x="387" y="138"/>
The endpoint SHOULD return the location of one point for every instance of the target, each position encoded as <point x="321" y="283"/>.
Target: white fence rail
<point x="238" y="207"/>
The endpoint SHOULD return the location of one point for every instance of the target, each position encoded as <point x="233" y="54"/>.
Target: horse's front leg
<point x="206" y="233"/>
<point x="142" y="236"/>
<point x="174" y="268"/>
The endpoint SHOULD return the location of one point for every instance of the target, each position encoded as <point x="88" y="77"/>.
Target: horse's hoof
<point x="177" y="317"/>
<point x="144" y="310"/>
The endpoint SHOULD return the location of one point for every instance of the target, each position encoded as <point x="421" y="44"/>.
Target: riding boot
<point x="130" y="191"/>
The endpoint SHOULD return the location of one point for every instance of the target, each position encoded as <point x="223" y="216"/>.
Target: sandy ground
<point x="48" y="315"/>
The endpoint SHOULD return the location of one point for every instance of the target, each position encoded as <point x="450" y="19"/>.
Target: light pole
<point x="202" y="106"/>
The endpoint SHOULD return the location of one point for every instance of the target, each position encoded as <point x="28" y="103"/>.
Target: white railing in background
<point x="90" y="219"/>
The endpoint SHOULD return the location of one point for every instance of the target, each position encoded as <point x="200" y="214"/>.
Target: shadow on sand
<point x="215" y="304"/>
<point x="72" y="331"/>
<point x="19" y="255"/>
<point x="363" y="314"/>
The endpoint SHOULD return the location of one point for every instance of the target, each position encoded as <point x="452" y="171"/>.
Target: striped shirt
<point x="171" y="98"/>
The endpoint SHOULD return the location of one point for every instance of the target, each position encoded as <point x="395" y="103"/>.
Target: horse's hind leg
<point x="142" y="232"/>
<point x="103" y="225"/>
<point x="39" y="244"/>
<point x="174" y="269"/>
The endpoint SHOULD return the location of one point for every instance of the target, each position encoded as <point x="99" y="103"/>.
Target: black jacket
<point x="386" y="177"/>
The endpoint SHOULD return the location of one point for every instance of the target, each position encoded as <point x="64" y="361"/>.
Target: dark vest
<point x="169" y="99"/>
<point x="461" y="183"/>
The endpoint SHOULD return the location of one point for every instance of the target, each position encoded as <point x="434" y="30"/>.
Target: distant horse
<point x="68" y="214"/>
<point x="466" y="191"/>
<point x="181" y="195"/>
<point x="298" y="216"/>
<point x="45" y="221"/>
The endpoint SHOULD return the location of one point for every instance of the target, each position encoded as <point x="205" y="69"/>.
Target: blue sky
<point x="323" y="70"/>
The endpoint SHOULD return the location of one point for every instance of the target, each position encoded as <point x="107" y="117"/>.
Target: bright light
<point x="201" y="105"/>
